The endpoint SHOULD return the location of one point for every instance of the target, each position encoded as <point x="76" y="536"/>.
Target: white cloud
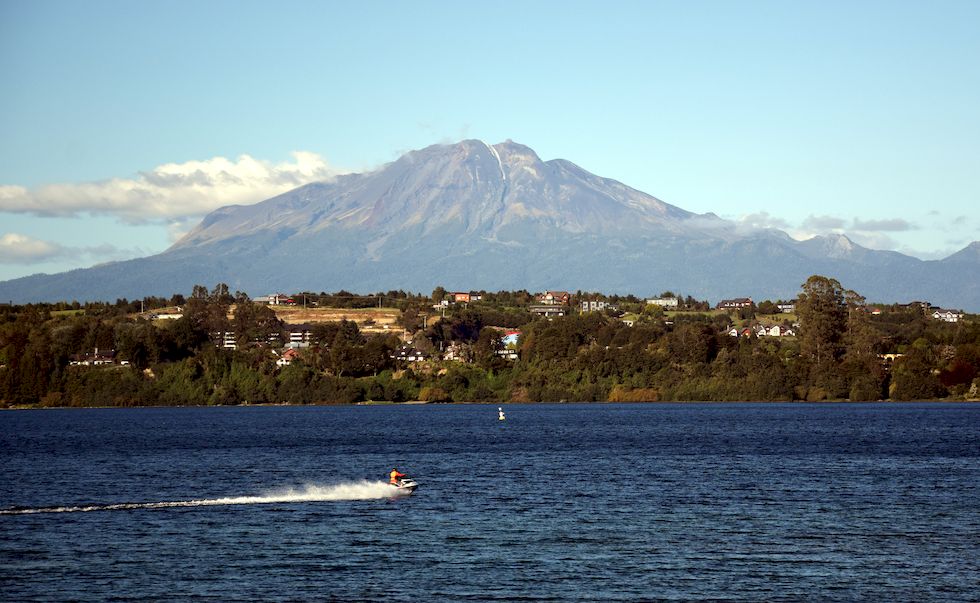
<point x="873" y="240"/>
<point x="17" y="248"/>
<point x="762" y="219"/>
<point x="890" y="225"/>
<point x="823" y="223"/>
<point x="172" y="191"/>
<point x="20" y="249"/>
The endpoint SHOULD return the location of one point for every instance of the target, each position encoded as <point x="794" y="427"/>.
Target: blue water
<point x="559" y="502"/>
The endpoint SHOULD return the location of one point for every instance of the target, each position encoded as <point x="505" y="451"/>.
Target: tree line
<point x="842" y="352"/>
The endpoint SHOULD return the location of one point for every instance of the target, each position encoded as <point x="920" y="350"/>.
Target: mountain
<point x="478" y="216"/>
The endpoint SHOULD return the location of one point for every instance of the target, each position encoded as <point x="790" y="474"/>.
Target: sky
<point x="123" y="123"/>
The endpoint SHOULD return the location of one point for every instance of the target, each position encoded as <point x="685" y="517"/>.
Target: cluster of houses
<point x="459" y="352"/>
<point x="746" y="302"/>
<point x="551" y="303"/>
<point x="97" y="358"/>
<point x="546" y="304"/>
<point x="762" y="331"/>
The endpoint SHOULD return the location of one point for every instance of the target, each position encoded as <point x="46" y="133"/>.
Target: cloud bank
<point x="16" y="248"/>
<point x="173" y="191"/>
<point x="20" y="249"/>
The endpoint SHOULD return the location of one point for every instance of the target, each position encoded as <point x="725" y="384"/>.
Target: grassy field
<point x="384" y="319"/>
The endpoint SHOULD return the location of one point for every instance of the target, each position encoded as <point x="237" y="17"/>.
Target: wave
<point x="363" y="490"/>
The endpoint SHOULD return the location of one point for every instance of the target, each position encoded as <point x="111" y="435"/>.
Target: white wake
<point x="362" y="490"/>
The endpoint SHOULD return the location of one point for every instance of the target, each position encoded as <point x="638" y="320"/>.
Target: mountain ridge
<point x="474" y="215"/>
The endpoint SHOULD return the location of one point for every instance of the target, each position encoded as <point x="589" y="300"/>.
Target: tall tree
<point x="254" y="322"/>
<point x="822" y="310"/>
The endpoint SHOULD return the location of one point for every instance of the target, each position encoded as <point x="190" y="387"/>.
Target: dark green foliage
<point x="579" y="357"/>
<point x="823" y="319"/>
<point x="913" y="377"/>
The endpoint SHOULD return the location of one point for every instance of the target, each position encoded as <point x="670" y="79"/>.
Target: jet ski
<point x="406" y="485"/>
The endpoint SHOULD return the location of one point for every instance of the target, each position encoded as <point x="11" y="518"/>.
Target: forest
<point x="841" y="351"/>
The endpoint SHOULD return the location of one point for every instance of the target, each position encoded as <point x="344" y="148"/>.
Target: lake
<point x="556" y="503"/>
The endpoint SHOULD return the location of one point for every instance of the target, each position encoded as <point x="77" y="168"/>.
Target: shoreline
<point x="424" y="403"/>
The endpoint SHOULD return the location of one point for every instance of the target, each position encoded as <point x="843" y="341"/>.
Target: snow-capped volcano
<point x="479" y="188"/>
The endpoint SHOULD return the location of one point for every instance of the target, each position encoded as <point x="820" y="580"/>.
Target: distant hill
<point x="478" y="216"/>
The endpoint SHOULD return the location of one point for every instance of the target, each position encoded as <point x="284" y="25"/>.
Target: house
<point x="786" y="308"/>
<point x="547" y="311"/>
<point x="594" y="306"/>
<point x="300" y="335"/>
<point x="779" y="331"/>
<point x="761" y="331"/>
<point x="96" y="358"/>
<point x="224" y="339"/>
<point x="228" y="341"/>
<point x="554" y="298"/>
<point x="668" y="303"/>
<point x="509" y="340"/>
<point x="947" y="315"/>
<point x="407" y="353"/>
<point x="508" y="343"/>
<point x="919" y="305"/>
<point x="288" y="357"/>
<point x="738" y="302"/>
<point x="279" y="299"/>
<point x="734" y="331"/>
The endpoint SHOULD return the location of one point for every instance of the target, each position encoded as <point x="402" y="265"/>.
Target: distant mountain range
<point x="478" y="216"/>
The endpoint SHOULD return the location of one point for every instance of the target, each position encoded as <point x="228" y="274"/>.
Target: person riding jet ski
<point x="405" y="484"/>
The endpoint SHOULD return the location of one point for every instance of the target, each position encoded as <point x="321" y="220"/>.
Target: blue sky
<point x="122" y="123"/>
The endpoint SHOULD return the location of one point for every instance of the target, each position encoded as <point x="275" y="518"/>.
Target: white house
<point x="947" y="315"/>
<point x="593" y="306"/>
<point x="669" y="303"/>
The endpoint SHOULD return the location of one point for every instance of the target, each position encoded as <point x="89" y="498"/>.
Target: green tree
<point x="254" y="322"/>
<point x="768" y="308"/>
<point x="822" y="310"/>
<point x="913" y="377"/>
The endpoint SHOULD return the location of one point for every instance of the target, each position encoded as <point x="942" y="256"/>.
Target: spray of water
<point x="362" y="490"/>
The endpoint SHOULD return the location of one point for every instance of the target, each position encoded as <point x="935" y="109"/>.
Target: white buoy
<point x="500" y="414"/>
